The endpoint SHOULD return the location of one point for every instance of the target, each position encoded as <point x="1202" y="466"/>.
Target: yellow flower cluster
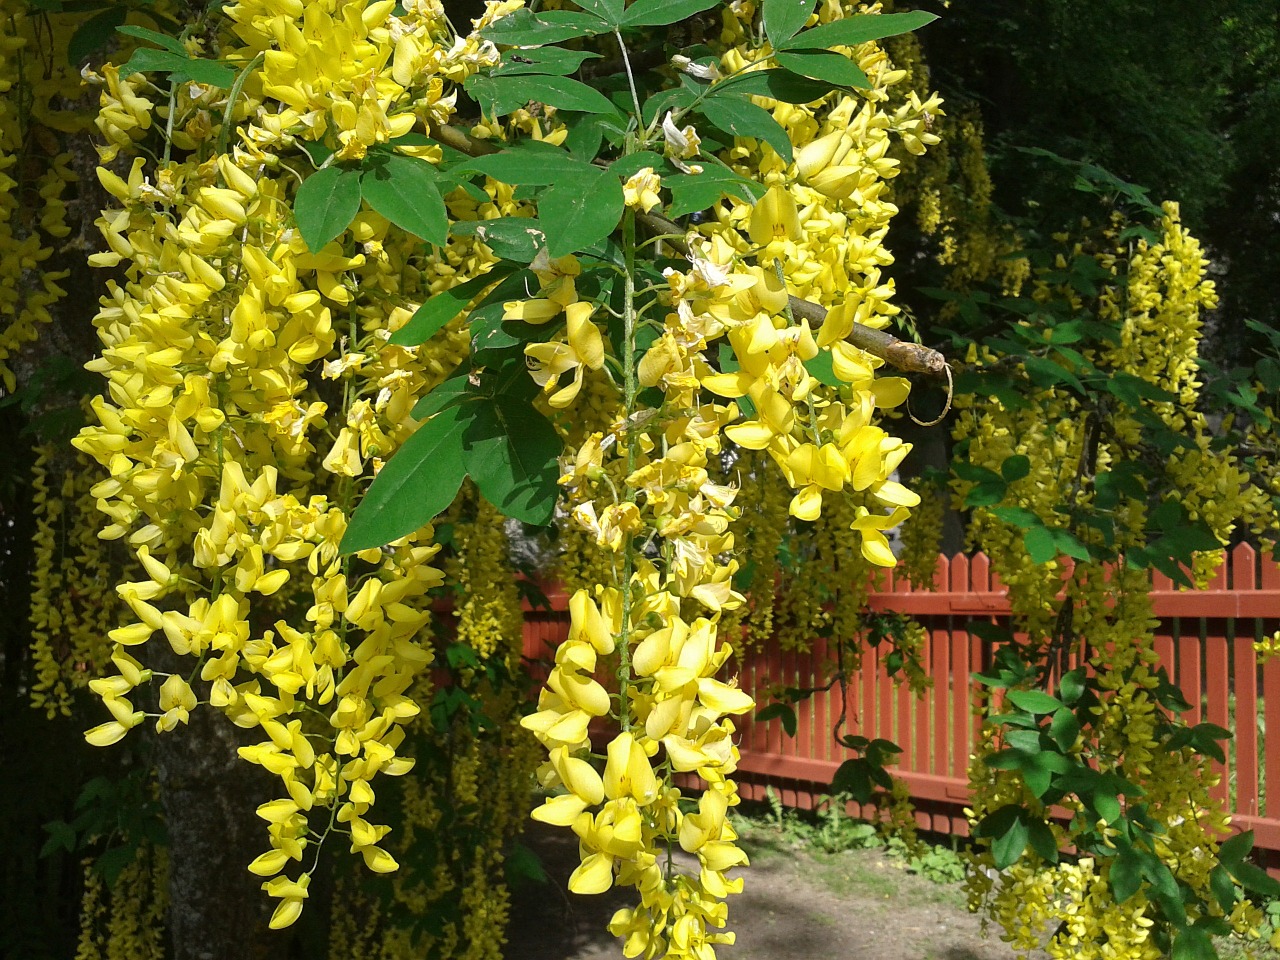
<point x="658" y="621"/>
<point x="127" y="920"/>
<point x="249" y="386"/>
<point x="35" y="80"/>
<point x="1069" y="909"/>
<point x="250" y="390"/>
<point x="72" y="604"/>
<point x="470" y="790"/>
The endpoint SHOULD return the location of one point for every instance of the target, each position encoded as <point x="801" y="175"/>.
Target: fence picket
<point x="1204" y="638"/>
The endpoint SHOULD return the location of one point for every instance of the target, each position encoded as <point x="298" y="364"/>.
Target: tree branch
<point x="903" y="354"/>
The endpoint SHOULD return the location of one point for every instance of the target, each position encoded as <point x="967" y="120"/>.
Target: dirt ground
<point x="858" y="905"/>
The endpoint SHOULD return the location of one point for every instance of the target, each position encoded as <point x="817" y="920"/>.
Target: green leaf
<point x="1020" y="517"/>
<point x="827" y="66"/>
<point x="511" y="238"/>
<point x="1072" y="686"/>
<point x="1044" y="372"/>
<point x="821" y="369"/>
<point x="858" y="29"/>
<point x="1070" y="545"/>
<point x="737" y="115"/>
<point x="510" y="451"/>
<point x="783" y="19"/>
<point x="1235" y="848"/>
<point x="112" y="862"/>
<point x="580" y="210"/>
<point x="403" y="189"/>
<point x="632" y="164"/>
<point x="973" y="472"/>
<point x="1254" y="879"/>
<point x="1193" y="944"/>
<point x="523" y="864"/>
<point x="326" y="203"/>
<point x="172" y="44"/>
<point x="61" y="837"/>
<point x="610" y="11"/>
<point x="853" y="777"/>
<point x="1107" y="804"/>
<point x="1064" y="728"/>
<point x="416" y="484"/>
<point x="564" y="93"/>
<point x="1008" y="846"/>
<point x="550" y="60"/>
<point x="522" y="28"/>
<point x="986" y="493"/>
<point x="92" y="35"/>
<point x="777" y="84"/>
<point x="1125" y="875"/>
<point x="1042" y="841"/>
<point x="1034" y="701"/>
<point x="429" y="318"/>
<point x="180" y="68"/>
<point x="691" y="192"/>
<point x="1016" y="467"/>
<point x="1223" y="888"/>
<point x="445" y="394"/>
<point x="530" y="162"/>
<point x="1040" y="545"/>
<point x="660" y="13"/>
<point x="779" y="711"/>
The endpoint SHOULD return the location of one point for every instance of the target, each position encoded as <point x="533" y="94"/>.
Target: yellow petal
<point x="584" y="335"/>
<point x="894" y="493"/>
<point x="594" y="875"/>
<point x="875" y="547"/>
<point x="774" y="217"/>
<point x="890" y="391"/>
<point x="807" y="504"/>
<point x="560" y="811"/>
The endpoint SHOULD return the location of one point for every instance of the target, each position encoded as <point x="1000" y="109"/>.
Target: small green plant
<point x="934" y="862"/>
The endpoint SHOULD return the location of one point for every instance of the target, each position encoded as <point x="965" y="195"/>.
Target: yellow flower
<point x="641" y="190"/>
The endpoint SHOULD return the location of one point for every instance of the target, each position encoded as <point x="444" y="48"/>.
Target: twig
<point x="903" y="354"/>
<point x="907" y="356"/>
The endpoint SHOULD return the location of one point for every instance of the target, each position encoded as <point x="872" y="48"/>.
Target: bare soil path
<point x="858" y="905"/>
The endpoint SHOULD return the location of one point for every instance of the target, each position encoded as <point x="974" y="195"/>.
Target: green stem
<point x="224" y="135"/>
<point x="635" y="96"/>
<point x="630" y="390"/>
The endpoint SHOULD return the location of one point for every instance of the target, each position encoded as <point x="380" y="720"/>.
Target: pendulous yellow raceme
<point x="656" y="623"/>
<point x="1069" y="908"/>
<point x="251" y="391"/>
<point x="249" y="386"/>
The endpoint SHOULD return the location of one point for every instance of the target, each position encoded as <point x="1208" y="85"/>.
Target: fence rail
<point x="1204" y="639"/>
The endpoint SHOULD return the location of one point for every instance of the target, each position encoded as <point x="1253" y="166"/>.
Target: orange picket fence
<point x="1205" y="640"/>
